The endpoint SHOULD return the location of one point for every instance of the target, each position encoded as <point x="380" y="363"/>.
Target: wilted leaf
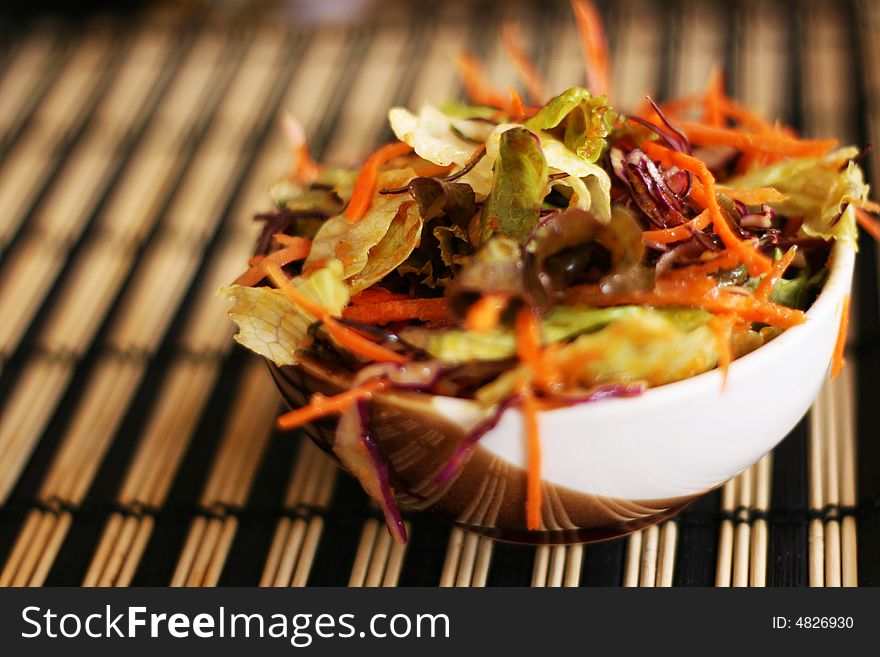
<point x="270" y="324"/>
<point x="518" y="186"/>
<point x="437" y="198"/>
<point x="400" y="239"/>
<point x="351" y="243"/>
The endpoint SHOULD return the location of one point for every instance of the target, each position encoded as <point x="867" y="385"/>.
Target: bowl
<point x="609" y="467"/>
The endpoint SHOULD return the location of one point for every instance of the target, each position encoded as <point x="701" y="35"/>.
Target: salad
<point x="542" y="253"/>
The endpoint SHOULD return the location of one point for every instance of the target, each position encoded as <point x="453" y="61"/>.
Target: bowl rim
<point x="829" y="300"/>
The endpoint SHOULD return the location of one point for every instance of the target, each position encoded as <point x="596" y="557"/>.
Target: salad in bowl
<point x="545" y="319"/>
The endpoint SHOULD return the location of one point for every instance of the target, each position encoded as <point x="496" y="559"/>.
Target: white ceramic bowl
<point x="612" y="466"/>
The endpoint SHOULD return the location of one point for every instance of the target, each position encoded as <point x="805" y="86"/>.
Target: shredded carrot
<point x="704" y="292"/>
<point x="376" y="295"/>
<point x="594" y="46"/>
<point x="398" y="310"/>
<point x="677" y="233"/>
<point x="485" y="314"/>
<point x="726" y="260"/>
<point x="529" y="406"/>
<point x="714" y="98"/>
<point x="868" y="206"/>
<point x="525" y="67"/>
<point x="528" y="338"/>
<point x="756" y="261"/>
<point x="528" y="349"/>
<point x="359" y="345"/>
<point x="707" y="135"/>
<point x="755" y="196"/>
<point x="746" y="117"/>
<point x="341" y="335"/>
<point x="675" y="106"/>
<point x="304" y="168"/>
<point x="320" y="406"/>
<point x="474" y="82"/>
<point x="279" y="278"/>
<point x="699" y="293"/>
<point x="730" y="109"/>
<point x="720" y="326"/>
<point x="840" y="345"/>
<point x="516" y="104"/>
<point x="869" y="223"/>
<point x="286" y="240"/>
<point x="765" y="287"/>
<point x="296" y="248"/>
<point x="365" y="187"/>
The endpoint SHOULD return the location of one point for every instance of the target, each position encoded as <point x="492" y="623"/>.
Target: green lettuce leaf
<point x="654" y="346"/>
<point x="270" y="324"/>
<point x="518" y="186"/>
<point x="578" y="120"/>
<point x="327" y="195"/>
<point x="817" y="190"/>
<point x="443" y="139"/>
<point x="589" y="181"/>
<point x="798" y="292"/>
<point x="458" y="110"/>
<point x="561" y="323"/>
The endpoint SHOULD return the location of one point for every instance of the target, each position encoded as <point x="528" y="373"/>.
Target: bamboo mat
<point x="137" y="446"/>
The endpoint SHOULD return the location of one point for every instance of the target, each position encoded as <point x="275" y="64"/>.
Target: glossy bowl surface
<point x="608" y="467"/>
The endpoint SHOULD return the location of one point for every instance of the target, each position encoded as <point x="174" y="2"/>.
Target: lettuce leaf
<point x="402" y="236"/>
<point x="518" y="187"/>
<point x="580" y="121"/>
<point x="589" y="181"/>
<point x="561" y="323"/>
<point x="653" y="346"/>
<point x="458" y="110"/>
<point x="560" y="248"/>
<point x="327" y="195"/>
<point x="496" y="268"/>
<point x="454" y="245"/>
<point x="270" y="324"/>
<point x="817" y="190"/>
<point x="437" y="198"/>
<point x="351" y="243"/>
<point x="432" y="134"/>
<point x="797" y="292"/>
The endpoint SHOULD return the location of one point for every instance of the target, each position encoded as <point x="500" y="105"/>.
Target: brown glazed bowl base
<point x="487" y="496"/>
<point x="575" y="536"/>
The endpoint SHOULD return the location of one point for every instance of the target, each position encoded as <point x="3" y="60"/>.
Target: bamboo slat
<point x="828" y="109"/>
<point x="467" y="560"/>
<point x="379" y="558"/>
<point x="558" y="565"/>
<point x="230" y="478"/>
<point x="26" y="413"/>
<point x="30" y="69"/>
<point x="31" y="272"/>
